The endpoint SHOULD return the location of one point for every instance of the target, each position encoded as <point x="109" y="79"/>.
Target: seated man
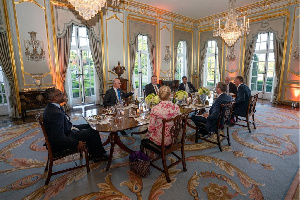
<point x="114" y="94"/>
<point x="152" y="87"/>
<point x="231" y="88"/>
<point x="186" y="86"/>
<point x="63" y="135"/>
<point x="210" y="119"/>
<point x="242" y="97"/>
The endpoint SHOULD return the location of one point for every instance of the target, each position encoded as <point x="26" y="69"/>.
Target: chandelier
<point x="231" y="32"/>
<point x="89" y="8"/>
<point x="35" y="45"/>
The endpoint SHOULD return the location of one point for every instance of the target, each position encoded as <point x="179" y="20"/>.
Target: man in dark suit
<point x="210" y="119"/>
<point x="63" y="135"/>
<point x="242" y="97"/>
<point x="186" y="86"/>
<point x="231" y="88"/>
<point x="152" y="87"/>
<point x="115" y="94"/>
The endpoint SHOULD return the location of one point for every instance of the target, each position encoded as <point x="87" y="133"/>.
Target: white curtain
<point x="278" y="53"/>
<point x="152" y="50"/>
<point x="248" y="58"/>
<point x="201" y="62"/>
<point x="96" y="49"/>
<point x="5" y="62"/>
<point x="132" y="54"/>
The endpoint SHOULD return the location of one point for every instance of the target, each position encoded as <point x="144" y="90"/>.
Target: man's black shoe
<point x="101" y="158"/>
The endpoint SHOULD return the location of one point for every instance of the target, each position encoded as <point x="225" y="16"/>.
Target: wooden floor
<point x="6" y="121"/>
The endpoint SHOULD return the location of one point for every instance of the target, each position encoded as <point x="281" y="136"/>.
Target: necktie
<point x="156" y="89"/>
<point x="119" y="95"/>
<point x="187" y="89"/>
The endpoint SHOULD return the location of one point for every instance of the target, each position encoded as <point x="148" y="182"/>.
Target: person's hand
<point x="81" y="146"/>
<point x="205" y="115"/>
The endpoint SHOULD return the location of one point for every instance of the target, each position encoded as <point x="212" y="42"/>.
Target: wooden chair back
<point x="250" y="113"/>
<point x="52" y="156"/>
<point x="178" y="132"/>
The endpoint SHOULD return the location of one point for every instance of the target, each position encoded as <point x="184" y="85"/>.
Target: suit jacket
<point x="111" y="99"/>
<point x="58" y="127"/>
<point x="232" y="88"/>
<point x="214" y="112"/>
<point x="149" y="88"/>
<point x="242" y="100"/>
<point x="181" y="87"/>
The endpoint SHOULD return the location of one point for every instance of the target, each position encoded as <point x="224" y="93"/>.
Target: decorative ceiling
<point x="196" y="9"/>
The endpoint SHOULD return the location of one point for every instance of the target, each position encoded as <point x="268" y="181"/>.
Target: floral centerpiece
<point x="181" y="95"/>
<point x="152" y="99"/>
<point x="203" y="90"/>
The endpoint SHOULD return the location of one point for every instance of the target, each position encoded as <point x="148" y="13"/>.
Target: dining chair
<point x="177" y="131"/>
<point x="250" y="113"/>
<point x="56" y="155"/>
<point x="222" y="130"/>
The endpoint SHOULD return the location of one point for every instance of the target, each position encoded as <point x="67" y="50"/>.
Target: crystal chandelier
<point x="231" y="33"/>
<point x="88" y="8"/>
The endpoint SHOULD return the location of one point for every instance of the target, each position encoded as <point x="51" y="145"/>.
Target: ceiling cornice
<point x="151" y="11"/>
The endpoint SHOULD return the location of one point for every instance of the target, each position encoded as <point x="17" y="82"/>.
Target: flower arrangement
<point x="152" y="99"/>
<point x="203" y="90"/>
<point x="180" y="95"/>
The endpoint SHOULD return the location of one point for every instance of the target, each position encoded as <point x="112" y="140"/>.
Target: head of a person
<point x="116" y="83"/>
<point x="154" y="80"/>
<point x="55" y="95"/>
<point x="238" y="80"/>
<point x="184" y="79"/>
<point x="221" y="87"/>
<point x="164" y="93"/>
<point x="227" y="80"/>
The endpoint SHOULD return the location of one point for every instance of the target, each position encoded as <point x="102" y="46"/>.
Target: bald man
<point x="115" y="94"/>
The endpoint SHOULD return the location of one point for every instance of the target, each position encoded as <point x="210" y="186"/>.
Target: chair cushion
<point x="148" y="144"/>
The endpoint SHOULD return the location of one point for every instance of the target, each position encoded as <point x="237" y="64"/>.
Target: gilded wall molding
<point x="291" y="46"/>
<point x="164" y="27"/>
<point x="18" y="36"/>
<point x="114" y="16"/>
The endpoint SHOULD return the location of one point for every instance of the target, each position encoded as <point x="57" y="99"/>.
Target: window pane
<point x="263" y="45"/>
<point x="82" y="32"/>
<point x="264" y="37"/>
<point x="261" y="57"/>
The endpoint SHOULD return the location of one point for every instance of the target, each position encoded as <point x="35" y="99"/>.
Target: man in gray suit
<point x="210" y="119"/>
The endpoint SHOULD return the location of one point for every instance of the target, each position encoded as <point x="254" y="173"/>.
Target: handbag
<point x="139" y="163"/>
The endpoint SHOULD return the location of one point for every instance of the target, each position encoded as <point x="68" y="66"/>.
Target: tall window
<point x="211" y="74"/>
<point x="81" y="66"/>
<point x="263" y="62"/>
<point x="3" y="100"/>
<point x="142" y="68"/>
<point x="181" y="61"/>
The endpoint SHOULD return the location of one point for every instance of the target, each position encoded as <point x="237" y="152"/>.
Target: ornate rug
<point x="263" y="164"/>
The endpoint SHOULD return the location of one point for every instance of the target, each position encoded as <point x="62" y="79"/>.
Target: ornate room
<point x="158" y="58"/>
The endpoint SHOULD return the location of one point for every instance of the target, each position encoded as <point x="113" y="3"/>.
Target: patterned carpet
<point x="258" y="165"/>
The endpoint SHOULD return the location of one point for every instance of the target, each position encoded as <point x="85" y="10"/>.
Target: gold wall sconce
<point x="34" y="49"/>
